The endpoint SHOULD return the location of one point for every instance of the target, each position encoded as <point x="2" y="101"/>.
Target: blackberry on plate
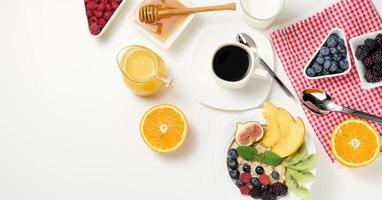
<point x="246" y="167"/>
<point x="255" y="181"/>
<point x="239" y="183"/>
<point x="265" y="188"/>
<point x="233" y="154"/>
<point x="371" y="44"/>
<point x="361" y="52"/>
<point x="255" y="192"/>
<point x="332" y="40"/>
<point x="344" y="65"/>
<point x="368" y="62"/>
<point x="268" y="196"/>
<point x="232" y="163"/>
<point x="234" y="174"/>
<point x="378" y="39"/>
<point x="377" y="57"/>
<point x="373" y="76"/>
<point x="377" y="69"/>
<point x="279" y="189"/>
<point x="324" y="51"/>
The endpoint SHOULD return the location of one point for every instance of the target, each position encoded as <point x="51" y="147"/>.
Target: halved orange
<point x="164" y="128"/>
<point x="355" y="143"/>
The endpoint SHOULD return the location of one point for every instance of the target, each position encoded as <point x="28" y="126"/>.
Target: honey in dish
<point x="164" y="27"/>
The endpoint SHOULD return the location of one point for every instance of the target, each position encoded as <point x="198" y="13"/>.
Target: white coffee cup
<point x="253" y="71"/>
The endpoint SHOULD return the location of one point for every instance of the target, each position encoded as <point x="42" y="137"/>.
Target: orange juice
<point x="144" y="71"/>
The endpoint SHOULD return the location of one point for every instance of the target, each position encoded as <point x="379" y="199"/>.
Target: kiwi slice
<point x="296" y="157"/>
<point x="294" y="186"/>
<point x="301" y="176"/>
<point x="307" y="163"/>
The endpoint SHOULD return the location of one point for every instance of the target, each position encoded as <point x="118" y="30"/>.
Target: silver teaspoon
<point x="319" y="102"/>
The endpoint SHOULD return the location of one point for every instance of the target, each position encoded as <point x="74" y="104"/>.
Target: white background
<point x="69" y="127"/>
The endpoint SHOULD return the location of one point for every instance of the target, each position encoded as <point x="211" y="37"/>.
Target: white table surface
<point x="69" y="127"/>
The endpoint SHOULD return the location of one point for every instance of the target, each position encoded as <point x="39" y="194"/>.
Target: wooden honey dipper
<point x="152" y="13"/>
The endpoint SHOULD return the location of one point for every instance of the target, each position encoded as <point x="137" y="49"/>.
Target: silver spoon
<point x="319" y="102"/>
<point x="245" y="39"/>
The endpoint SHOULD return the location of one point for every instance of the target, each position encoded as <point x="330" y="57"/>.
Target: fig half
<point x="248" y="133"/>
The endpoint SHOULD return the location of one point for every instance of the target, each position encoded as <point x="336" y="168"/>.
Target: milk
<point x="262" y="9"/>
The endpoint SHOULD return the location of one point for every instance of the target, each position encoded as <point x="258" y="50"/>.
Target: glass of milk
<point x="261" y="13"/>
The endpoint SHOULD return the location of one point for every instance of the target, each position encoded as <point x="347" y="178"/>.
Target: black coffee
<point x="231" y="63"/>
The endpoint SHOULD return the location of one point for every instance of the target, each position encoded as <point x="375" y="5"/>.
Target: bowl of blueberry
<point x="367" y="53"/>
<point x="331" y="59"/>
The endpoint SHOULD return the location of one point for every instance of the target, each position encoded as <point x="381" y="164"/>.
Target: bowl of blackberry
<point x="367" y="51"/>
<point x="330" y="59"/>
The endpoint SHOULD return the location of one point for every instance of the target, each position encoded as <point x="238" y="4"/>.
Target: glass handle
<point x="168" y="81"/>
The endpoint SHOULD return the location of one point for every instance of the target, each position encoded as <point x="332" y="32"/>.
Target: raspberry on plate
<point x="245" y="190"/>
<point x="246" y="177"/>
<point x="264" y="179"/>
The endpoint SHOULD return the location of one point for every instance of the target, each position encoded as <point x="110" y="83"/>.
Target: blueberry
<point x="259" y="170"/>
<point x="333" y="67"/>
<point x="246" y="167"/>
<point x="232" y="153"/>
<point x="310" y="72"/>
<point x="341" y="48"/>
<point x="332" y="40"/>
<point x="320" y="60"/>
<point x="265" y="188"/>
<point x="317" y="68"/>
<point x="255" y="181"/>
<point x="239" y="183"/>
<point x="325" y="51"/>
<point x="232" y="163"/>
<point x="329" y="57"/>
<point x="344" y="65"/>
<point x="234" y="174"/>
<point x="275" y="175"/>
<point x="340" y="41"/>
<point x="337" y="57"/>
<point x="333" y="50"/>
<point x="325" y="72"/>
<point x="327" y="64"/>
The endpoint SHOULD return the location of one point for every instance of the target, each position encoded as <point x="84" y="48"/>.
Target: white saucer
<point x="224" y="141"/>
<point x="205" y="88"/>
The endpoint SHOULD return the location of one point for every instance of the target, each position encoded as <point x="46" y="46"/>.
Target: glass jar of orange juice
<point x="143" y="70"/>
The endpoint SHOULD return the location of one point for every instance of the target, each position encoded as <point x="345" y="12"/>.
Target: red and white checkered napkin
<point x="296" y="44"/>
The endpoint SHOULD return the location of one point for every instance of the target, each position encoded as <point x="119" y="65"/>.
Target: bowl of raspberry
<point x="331" y="59"/>
<point x="367" y="53"/>
<point x="100" y="14"/>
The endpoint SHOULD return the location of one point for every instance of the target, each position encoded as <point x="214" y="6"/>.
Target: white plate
<point x="222" y="178"/>
<point x="205" y="88"/>
<point x="164" y="44"/>
<point x="354" y="43"/>
<point x="342" y="35"/>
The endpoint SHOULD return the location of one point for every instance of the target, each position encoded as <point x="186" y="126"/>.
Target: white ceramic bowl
<point x="164" y="44"/>
<point x="354" y="43"/>
<point x="342" y="35"/>
<point x="108" y="22"/>
<point x="258" y="22"/>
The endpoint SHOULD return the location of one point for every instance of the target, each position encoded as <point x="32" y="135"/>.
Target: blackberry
<point x="279" y="189"/>
<point x="378" y="39"/>
<point x="373" y="76"/>
<point x="361" y="52"/>
<point x="255" y="192"/>
<point x="371" y="44"/>
<point x="368" y="62"/>
<point x="377" y="57"/>
<point x="377" y="69"/>
<point x="268" y="196"/>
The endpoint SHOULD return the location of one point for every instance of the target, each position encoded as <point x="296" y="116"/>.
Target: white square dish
<point x="342" y="35"/>
<point x="170" y="40"/>
<point x="354" y="43"/>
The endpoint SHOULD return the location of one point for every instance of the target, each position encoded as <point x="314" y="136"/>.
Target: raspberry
<point x="279" y="189"/>
<point x="368" y="62"/>
<point x="95" y="29"/>
<point x="246" y="177"/>
<point x="114" y="5"/>
<point x="101" y="6"/>
<point x="264" y="179"/>
<point x="107" y="15"/>
<point x="98" y="13"/>
<point x="91" y="5"/>
<point x="89" y="13"/>
<point x="377" y="57"/>
<point x="245" y="190"/>
<point x="108" y="7"/>
<point x="361" y="52"/>
<point x="102" y="22"/>
<point x="118" y="1"/>
<point x="93" y="20"/>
